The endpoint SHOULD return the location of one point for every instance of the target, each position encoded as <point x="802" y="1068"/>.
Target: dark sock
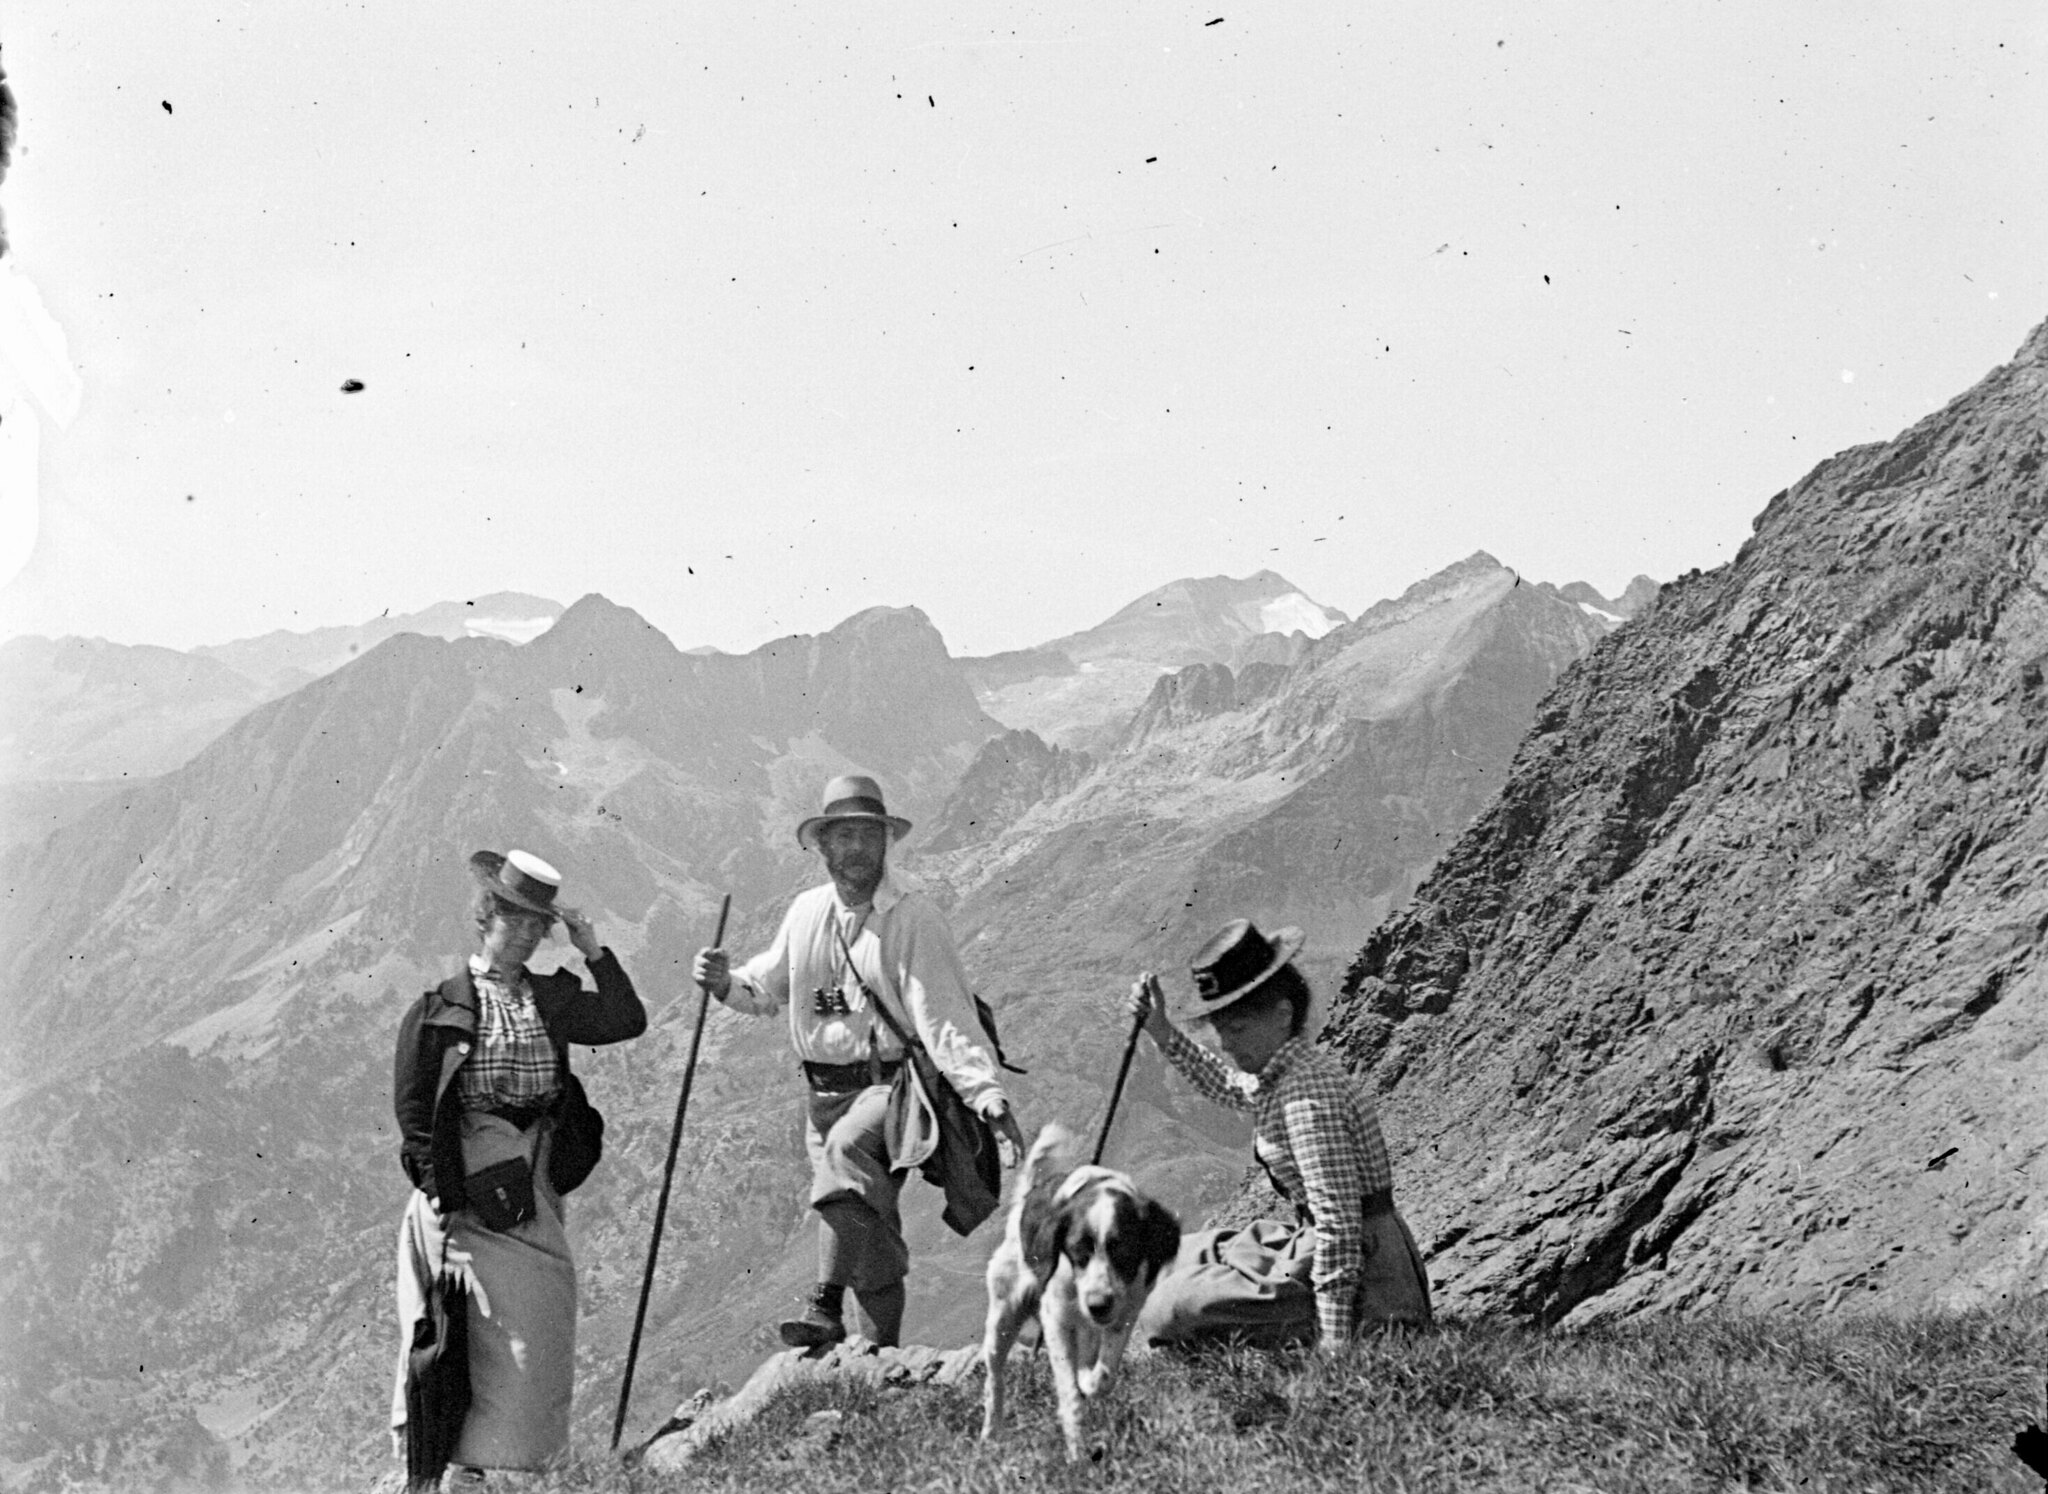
<point x="829" y="1297"/>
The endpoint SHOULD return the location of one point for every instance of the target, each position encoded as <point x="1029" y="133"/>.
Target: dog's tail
<point x="1051" y="1157"/>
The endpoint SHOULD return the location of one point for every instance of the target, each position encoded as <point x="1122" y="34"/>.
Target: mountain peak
<point x="595" y="612"/>
<point x="603" y="640"/>
<point x="1478" y="571"/>
<point x="868" y="620"/>
<point x="1202" y="620"/>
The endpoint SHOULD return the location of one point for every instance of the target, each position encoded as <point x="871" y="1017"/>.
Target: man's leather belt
<point x="1379" y="1201"/>
<point x="836" y="1078"/>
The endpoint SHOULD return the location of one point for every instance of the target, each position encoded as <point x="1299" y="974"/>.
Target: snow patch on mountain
<point x="511" y="629"/>
<point x="1295" y="613"/>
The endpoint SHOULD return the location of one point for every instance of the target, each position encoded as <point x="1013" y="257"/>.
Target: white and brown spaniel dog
<point x="1081" y="1250"/>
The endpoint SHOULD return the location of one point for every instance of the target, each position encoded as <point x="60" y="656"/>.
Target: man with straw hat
<point x="901" y="951"/>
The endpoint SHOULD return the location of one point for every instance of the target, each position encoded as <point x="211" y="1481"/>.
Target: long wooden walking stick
<point x="1123" y="1071"/>
<point x="668" y="1172"/>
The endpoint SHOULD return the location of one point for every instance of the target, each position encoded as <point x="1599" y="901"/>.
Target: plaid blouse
<point x="513" y="1061"/>
<point x="1319" y="1137"/>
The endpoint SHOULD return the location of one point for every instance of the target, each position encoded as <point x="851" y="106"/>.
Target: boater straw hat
<point x="852" y="796"/>
<point x="1236" y="962"/>
<point x="522" y="879"/>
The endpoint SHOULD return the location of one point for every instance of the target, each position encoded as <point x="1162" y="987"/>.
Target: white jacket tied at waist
<point x="905" y="952"/>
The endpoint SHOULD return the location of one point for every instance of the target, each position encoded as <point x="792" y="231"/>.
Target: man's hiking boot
<point x="821" y="1322"/>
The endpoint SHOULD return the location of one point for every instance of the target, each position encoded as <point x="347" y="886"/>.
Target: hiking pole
<point x="668" y="1172"/>
<point x="1123" y="1071"/>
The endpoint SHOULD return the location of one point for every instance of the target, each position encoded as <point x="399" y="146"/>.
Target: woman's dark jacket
<point x="434" y="1041"/>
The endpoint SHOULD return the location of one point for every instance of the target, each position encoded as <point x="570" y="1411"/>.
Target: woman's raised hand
<point x="582" y="932"/>
<point x="1147" y="1004"/>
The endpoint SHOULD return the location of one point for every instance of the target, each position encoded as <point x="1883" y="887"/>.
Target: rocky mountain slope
<point x="1736" y="994"/>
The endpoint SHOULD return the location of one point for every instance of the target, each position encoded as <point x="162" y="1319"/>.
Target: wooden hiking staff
<point x="668" y="1172"/>
<point x="1123" y="1071"/>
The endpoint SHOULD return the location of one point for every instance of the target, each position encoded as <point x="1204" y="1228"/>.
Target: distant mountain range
<point x="208" y="963"/>
<point x="280" y="661"/>
<point x="81" y="715"/>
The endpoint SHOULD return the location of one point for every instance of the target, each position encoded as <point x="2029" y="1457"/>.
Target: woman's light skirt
<point x="522" y="1354"/>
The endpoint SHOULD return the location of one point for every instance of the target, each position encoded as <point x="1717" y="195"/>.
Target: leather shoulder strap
<point x="905" y="1040"/>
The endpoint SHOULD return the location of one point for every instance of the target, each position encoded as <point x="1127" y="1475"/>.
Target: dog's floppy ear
<point x="1045" y="1236"/>
<point x="1158" y="1235"/>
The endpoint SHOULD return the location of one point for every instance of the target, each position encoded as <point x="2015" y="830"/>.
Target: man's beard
<point x="862" y="873"/>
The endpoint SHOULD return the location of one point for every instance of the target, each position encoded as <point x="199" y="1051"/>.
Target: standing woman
<point x="480" y="1077"/>
<point x="1348" y="1263"/>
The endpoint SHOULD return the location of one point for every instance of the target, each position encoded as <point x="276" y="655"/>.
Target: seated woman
<point x="1349" y="1263"/>
<point x="479" y="1084"/>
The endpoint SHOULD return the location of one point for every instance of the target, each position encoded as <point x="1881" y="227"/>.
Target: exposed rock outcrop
<point x="1197" y="693"/>
<point x="702" y="1419"/>
<point x="1736" y="993"/>
<point x="1008" y="776"/>
<point x="1638" y="597"/>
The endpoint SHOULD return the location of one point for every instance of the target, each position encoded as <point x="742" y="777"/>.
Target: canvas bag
<point x="929" y="1127"/>
<point x="911" y="1125"/>
<point x="939" y="1133"/>
<point x="960" y="1156"/>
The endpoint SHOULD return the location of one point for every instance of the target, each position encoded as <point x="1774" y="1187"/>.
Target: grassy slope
<point x="1663" y="1404"/>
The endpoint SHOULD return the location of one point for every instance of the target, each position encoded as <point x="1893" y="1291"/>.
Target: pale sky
<point x="751" y="317"/>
